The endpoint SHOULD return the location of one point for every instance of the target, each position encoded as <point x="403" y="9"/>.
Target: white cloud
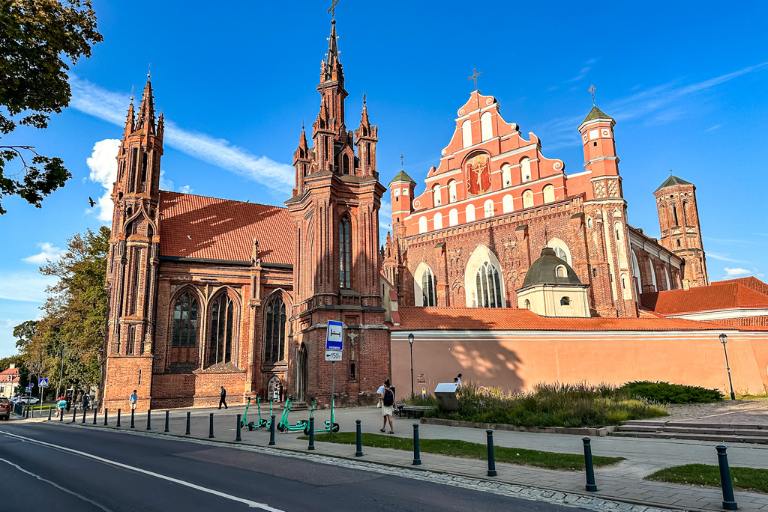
<point x="736" y="271"/>
<point x="110" y="106"/>
<point x="723" y="257"/>
<point x="185" y="189"/>
<point x="48" y="252"/>
<point x="24" y="286"/>
<point x="645" y="102"/>
<point x="103" y="166"/>
<point x="583" y="72"/>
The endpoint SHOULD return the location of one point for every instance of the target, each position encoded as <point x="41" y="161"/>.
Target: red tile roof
<point x="749" y="282"/>
<point x="716" y="297"/>
<point x="10" y="375"/>
<point x="524" y="320"/>
<point x="202" y="227"/>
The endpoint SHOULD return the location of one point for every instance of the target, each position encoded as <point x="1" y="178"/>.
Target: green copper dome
<point x="672" y="181"/>
<point x="402" y="176"/>
<point x="596" y="113"/>
<point x="544" y="271"/>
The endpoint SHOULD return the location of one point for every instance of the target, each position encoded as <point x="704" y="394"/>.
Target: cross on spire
<point x="592" y="90"/>
<point x="332" y="8"/>
<point x="474" y="76"/>
<point x="402" y="161"/>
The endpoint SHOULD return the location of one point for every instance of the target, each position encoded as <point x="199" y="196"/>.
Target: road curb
<point x="536" y="493"/>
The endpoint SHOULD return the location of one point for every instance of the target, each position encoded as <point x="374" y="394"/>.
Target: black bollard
<point x="94" y="415"/>
<point x="238" y="436"/>
<point x="50" y="413"/>
<point x="132" y="417"/>
<point x="105" y="417"/>
<point x="358" y="439"/>
<point x="210" y="426"/>
<point x="272" y="430"/>
<point x="491" y="454"/>
<point x="149" y="419"/>
<point x="589" y="468"/>
<point x="83" y="421"/>
<point x="311" y="434"/>
<point x="189" y="421"/>
<point x="61" y="414"/>
<point x="729" y="501"/>
<point x="74" y="414"/>
<point x="416" y="446"/>
<point x="167" y="421"/>
<point x="118" y="418"/>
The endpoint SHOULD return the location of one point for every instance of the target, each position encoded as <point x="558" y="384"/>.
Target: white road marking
<point x="250" y="503"/>
<point x="57" y="486"/>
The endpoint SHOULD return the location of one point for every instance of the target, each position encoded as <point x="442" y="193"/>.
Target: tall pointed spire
<point x="129" y="118"/>
<point x="364" y="122"/>
<point x="331" y="69"/>
<point x="147" y="108"/>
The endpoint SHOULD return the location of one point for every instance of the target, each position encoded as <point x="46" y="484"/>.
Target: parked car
<point x="5" y="408"/>
<point x="25" y="400"/>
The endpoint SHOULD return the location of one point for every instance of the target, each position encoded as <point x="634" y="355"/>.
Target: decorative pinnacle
<point x="593" y="90"/>
<point x="149" y="71"/>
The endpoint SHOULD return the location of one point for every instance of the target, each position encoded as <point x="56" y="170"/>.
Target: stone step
<point x="696" y="437"/>
<point x="693" y="429"/>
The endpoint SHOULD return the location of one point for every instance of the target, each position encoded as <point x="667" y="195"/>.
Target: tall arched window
<point x="486" y="126"/>
<point x="453" y="217"/>
<point x="221" y="329"/>
<point x="274" y="331"/>
<point x="525" y="169"/>
<point x="438" y="221"/>
<point x="437" y="196"/>
<point x="506" y="175"/>
<point x="345" y="253"/>
<point x="466" y="133"/>
<point x="488" y="208"/>
<point x="528" y="199"/>
<point x="423" y="228"/>
<point x="507" y="204"/>
<point x="452" y="191"/>
<point x="429" y="297"/>
<point x="549" y="194"/>
<point x="488" y="287"/>
<point x="185" y="320"/>
<point x="345" y="164"/>
<point x="470" y="213"/>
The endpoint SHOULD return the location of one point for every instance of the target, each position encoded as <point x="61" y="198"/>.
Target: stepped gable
<point x="488" y="319"/>
<point x="724" y="295"/>
<point x="210" y="228"/>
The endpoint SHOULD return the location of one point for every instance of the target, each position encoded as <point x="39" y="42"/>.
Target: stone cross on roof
<point x="474" y="76"/>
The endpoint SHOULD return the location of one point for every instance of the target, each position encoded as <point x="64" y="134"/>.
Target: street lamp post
<point x="724" y="341"/>
<point x="410" y="343"/>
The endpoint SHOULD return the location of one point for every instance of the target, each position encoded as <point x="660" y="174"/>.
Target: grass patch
<point x="454" y="448"/>
<point x="667" y="393"/>
<point x="555" y="405"/>
<point x="747" y="479"/>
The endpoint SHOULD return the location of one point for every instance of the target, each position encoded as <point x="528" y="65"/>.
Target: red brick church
<point x="208" y="292"/>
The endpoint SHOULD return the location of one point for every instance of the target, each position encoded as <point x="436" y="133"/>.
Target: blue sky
<point x="686" y="82"/>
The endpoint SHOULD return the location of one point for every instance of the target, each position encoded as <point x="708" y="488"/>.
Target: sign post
<point x="42" y="383"/>
<point x="334" y="347"/>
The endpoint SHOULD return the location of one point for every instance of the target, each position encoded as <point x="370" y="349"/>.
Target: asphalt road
<point x="52" y="467"/>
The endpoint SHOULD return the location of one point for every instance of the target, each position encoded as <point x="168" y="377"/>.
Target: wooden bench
<point x="412" y="411"/>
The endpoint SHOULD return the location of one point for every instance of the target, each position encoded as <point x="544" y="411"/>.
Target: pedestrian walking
<point x="61" y="403"/>
<point x="388" y="407"/>
<point x="133" y="399"/>
<point x="457" y="381"/>
<point x="223" y="398"/>
<point x="379" y="396"/>
<point x="86" y="401"/>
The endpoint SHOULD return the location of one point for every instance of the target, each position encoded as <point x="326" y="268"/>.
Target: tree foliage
<point x="39" y="41"/>
<point x="73" y="326"/>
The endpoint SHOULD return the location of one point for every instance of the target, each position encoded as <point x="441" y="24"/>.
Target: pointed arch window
<point x="429" y="297"/>
<point x="274" y="331"/>
<point x="345" y="253"/>
<point x="185" y="311"/>
<point x="345" y="164"/>
<point x="488" y="286"/>
<point x="221" y="329"/>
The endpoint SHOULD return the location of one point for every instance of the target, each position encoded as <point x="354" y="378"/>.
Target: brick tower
<point x="133" y="256"/>
<point x="335" y="210"/>
<point x="606" y="223"/>
<point x="680" y="228"/>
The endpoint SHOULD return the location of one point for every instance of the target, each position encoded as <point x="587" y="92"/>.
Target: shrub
<point x="666" y="393"/>
<point x="550" y="405"/>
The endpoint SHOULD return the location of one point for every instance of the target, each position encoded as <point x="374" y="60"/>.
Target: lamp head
<point x="410" y="338"/>
<point x="723" y="338"/>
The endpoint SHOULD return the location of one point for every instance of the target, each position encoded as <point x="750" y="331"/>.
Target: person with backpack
<point x="388" y="407"/>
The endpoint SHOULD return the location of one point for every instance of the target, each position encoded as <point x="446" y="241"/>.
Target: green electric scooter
<point x="330" y="425"/>
<point x="261" y="422"/>
<point x="284" y="425"/>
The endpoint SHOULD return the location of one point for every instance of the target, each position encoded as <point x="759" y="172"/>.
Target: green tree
<point x="39" y="41"/>
<point x="69" y="338"/>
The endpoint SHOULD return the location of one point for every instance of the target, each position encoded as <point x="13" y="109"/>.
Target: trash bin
<point x="445" y="392"/>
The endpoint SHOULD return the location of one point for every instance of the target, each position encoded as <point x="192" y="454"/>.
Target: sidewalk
<point x="623" y="481"/>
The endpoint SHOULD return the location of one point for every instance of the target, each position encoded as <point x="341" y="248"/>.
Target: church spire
<point x="147" y="108"/>
<point x="331" y="69"/>
<point x="129" y="119"/>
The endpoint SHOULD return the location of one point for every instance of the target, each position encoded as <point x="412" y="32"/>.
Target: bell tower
<point x="335" y="210"/>
<point x="680" y="228"/>
<point x="134" y="254"/>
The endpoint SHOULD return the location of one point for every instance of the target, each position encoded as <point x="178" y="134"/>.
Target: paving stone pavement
<point x="623" y="481"/>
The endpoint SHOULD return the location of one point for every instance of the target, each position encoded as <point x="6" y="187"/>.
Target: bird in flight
<point x="91" y="201"/>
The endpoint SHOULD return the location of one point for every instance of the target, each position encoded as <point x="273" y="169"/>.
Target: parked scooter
<point x="284" y="425"/>
<point x="260" y="422"/>
<point x="329" y="425"/>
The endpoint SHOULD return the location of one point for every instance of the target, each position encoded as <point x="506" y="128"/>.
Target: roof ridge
<point x="222" y="199"/>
